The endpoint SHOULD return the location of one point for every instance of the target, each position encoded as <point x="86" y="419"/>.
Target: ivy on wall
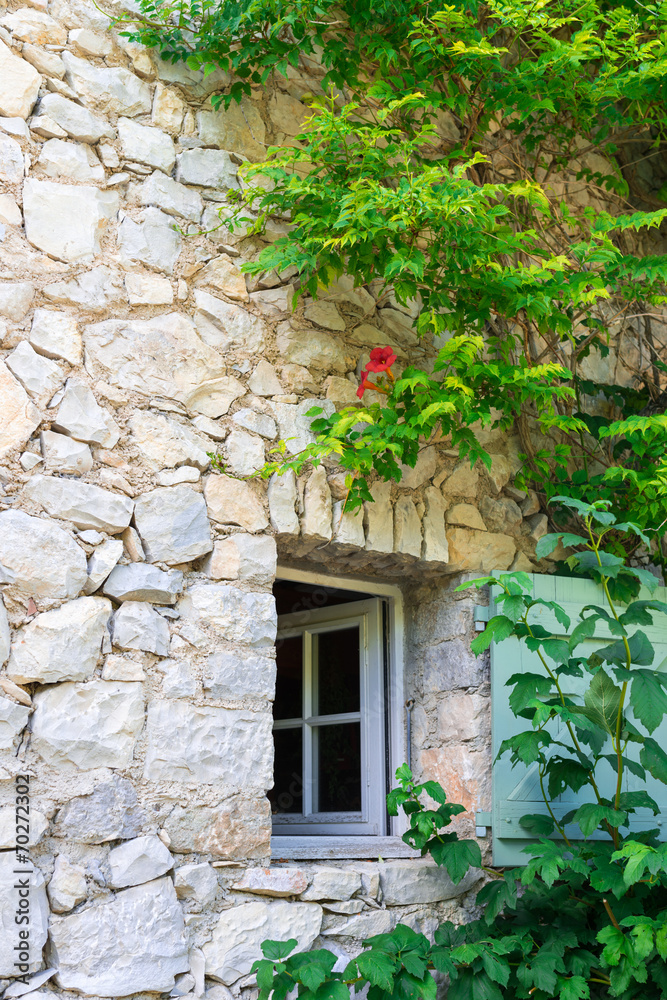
<point x="500" y="163"/>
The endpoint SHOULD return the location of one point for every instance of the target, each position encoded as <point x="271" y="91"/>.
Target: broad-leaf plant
<point x="500" y="163"/>
<point x="586" y="917"/>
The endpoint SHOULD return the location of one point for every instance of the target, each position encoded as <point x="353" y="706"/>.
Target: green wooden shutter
<point x="516" y="791"/>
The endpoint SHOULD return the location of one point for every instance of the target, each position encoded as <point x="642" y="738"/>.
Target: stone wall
<point x="137" y="625"/>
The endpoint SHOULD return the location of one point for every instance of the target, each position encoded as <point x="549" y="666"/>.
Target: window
<point x="330" y="720"/>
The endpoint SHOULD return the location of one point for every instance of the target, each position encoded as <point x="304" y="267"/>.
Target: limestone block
<point x="45" y="562"/>
<point x="231" y="501"/>
<point x="146" y="144"/>
<point x="213" y="168"/>
<point x="258" y="423"/>
<point x="173" y="477"/>
<point x="499" y="474"/>
<point x="137" y="626"/>
<point x="238" y="127"/>
<point x="451" y="665"/>
<point x="379" y="519"/>
<point x="281" y="495"/>
<point x="139" y="860"/>
<point x="11" y="161"/>
<point x="109" y="90"/>
<point x="35" y="26"/>
<point x="101" y="562"/>
<point x="84" y="505"/>
<point x="473" y="550"/>
<point x="20" y="416"/>
<point x="148" y="290"/>
<point x="88" y="725"/>
<point x="44" y="61"/>
<point x="294" y="422"/>
<point x="152" y="241"/>
<point x="196" y="881"/>
<point x="208" y="745"/>
<point x="407" y="528"/>
<point x="422" y="472"/>
<point x="143" y="582"/>
<point x="364" y="925"/>
<point x="244" y="453"/>
<point x="236" y="615"/>
<point x="15" y="299"/>
<point x="214" y="398"/>
<point x="316" y="349"/>
<point x="275" y="303"/>
<point x="60" y="645"/>
<point x="67" y="886"/>
<point x="4" y="634"/>
<point x="539" y="526"/>
<point x="19" y="84"/>
<point x="178" y="680"/>
<point x="80" y="416"/>
<point x="522" y="564"/>
<point x="332" y="883"/>
<point x="136" y="941"/>
<point x="287" y="114"/>
<point x="94" y="290"/>
<point x="463" y="717"/>
<point x="316" y="520"/>
<point x="110" y="812"/>
<point x="264" y="381"/>
<point x="168" y="108"/>
<point x="90" y="43"/>
<point x="462" y="482"/>
<point x="39" y="825"/>
<point x="10" y="213"/>
<point x="228" y="327"/>
<point x="341" y="391"/>
<point x="272" y="881"/>
<point x="67" y="221"/>
<point x="224" y="562"/>
<point x="163" y="356"/>
<point x="325" y="314"/>
<point x="172" y="197"/>
<point x="465" y="515"/>
<point x="257" y="557"/>
<point x="234" y="828"/>
<point x="404" y="883"/>
<point x="39" y="376"/>
<point x="239" y="675"/>
<point x="13" y="720"/>
<point x="78" y="122"/>
<point x="65" y="455"/>
<point x="500" y="515"/>
<point x="9" y="902"/>
<point x="238" y="934"/>
<point x="222" y="275"/>
<point x="119" y="667"/>
<point x="164" y="442"/>
<point x="172" y="524"/>
<point x="348" y="526"/>
<point x="70" y="160"/>
<point x="435" y="547"/>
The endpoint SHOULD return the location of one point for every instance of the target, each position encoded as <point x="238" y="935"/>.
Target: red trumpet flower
<point x="382" y="358"/>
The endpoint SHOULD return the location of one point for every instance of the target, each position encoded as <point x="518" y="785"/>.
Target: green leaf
<point x="637" y="613"/>
<point x="573" y="988"/>
<point x="654" y="759"/>
<point x="378" y="968"/>
<point x="457" y="856"/>
<point x="497" y="969"/>
<point x="277" y="950"/>
<point x="548" y="543"/>
<point x="527" y="687"/>
<point x="538" y="824"/>
<point x="602" y="700"/>
<point x="648" y="697"/>
<point x="591" y="815"/>
<point x="498" y="628"/>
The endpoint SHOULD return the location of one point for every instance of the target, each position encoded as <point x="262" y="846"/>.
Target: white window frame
<point x="295" y="843"/>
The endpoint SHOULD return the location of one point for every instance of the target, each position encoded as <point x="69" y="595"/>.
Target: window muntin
<point x="329" y="715"/>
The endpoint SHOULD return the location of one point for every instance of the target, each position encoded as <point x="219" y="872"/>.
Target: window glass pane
<point x="286" y="796"/>
<point x="336" y="655"/>
<point x="289" y="680"/>
<point x="339" y="767"/>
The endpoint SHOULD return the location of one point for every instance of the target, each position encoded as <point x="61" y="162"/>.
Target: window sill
<point x="343" y="848"/>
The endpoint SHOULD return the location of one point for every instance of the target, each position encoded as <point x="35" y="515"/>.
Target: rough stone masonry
<point x="137" y="622"/>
